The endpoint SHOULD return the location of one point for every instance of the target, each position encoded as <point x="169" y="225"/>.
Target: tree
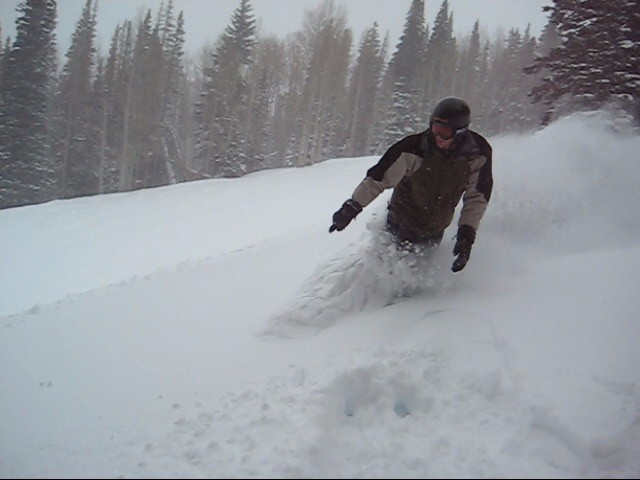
<point x="441" y="51"/>
<point x="288" y="104"/>
<point x="265" y="79"/>
<point x="468" y="74"/>
<point x="149" y="166"/>
<point x="405" y="76"/>
<point x="398" y="125"/>
<point x="598" y="60"/>
<point x="2" y="60"/>
<point x="27" y="170"/>
<point x="528" y="114"/>
<point x="74" y="130"/>
<point x="223" y="107"/>
<point x="173" y="140"/>
<point x="322" y="109"/>
<point x="481" y="102"/>
<point x="407" y="60"/>
<point x="119" y="82"/>
<point x="363" y="92"/>
<point x="505" y="86"/>
<point x="136" y="105"/>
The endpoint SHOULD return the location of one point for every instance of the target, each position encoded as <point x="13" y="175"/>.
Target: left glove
<point x="462" y="249"/>
<point x="349" y="210"/>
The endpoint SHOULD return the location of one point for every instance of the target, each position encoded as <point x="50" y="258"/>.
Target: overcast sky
<point x="206" y="19"/>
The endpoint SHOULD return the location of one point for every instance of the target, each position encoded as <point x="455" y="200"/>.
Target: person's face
<point x="444" y="144"/>
<point x="444" y="136"/>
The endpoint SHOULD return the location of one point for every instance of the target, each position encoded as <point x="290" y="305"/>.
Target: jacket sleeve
<point x="399" y="160"/>
<point x="478" y="191"/>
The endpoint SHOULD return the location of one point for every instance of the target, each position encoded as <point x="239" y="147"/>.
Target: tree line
<point x="145" y="114"/>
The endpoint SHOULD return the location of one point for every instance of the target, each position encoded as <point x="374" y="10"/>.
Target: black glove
<point x="348" y="211"/>
<point x="462" y="250"/>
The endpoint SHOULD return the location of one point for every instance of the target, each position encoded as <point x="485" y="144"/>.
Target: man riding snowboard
<point x="430" y="173"/>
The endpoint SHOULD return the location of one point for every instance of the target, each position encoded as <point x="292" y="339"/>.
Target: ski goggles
<point x="442" y="131"/>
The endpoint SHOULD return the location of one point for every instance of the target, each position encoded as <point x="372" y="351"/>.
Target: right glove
<point x="462" y="249"/>
<point x="348" y="211"/>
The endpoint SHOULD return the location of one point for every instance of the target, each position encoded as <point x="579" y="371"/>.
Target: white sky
<point x="206" y="19"/>
<point x="132" y="328"/>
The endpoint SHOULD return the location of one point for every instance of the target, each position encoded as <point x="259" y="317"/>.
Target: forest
<point x="146" y="114"/>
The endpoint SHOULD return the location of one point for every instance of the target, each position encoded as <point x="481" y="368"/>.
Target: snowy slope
<point x="215" y="329"/>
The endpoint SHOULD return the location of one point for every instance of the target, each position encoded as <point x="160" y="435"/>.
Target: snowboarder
<point x="430" y="172"/>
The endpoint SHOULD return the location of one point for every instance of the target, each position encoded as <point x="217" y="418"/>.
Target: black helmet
<point x="451" y="112"/>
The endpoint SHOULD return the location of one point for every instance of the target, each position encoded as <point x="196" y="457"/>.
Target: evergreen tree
<point x="549" y="39"/>
<point x="27" y="170"/>
<point x="405" y="76"/>
<point x="598" y="60"/>
<point x="172" y="40"/>
<point x="141" y="77"/>
<point x="222" y="110"/>
<point x="152" y="169"/>
<point x="120" y="65"/>
<point x="99" y="118"/>
<point x="397" y="126"/>
<point x="382" y="105"/>
<point x="505" y="75"/>
<point x="2" y="63"/>
<point x="104" y="108"/>
<point x="74" y="129"/>
<point x="528" y="114"/>
<point x="407" y="60"/>
<point x="117" y="86"/>
<point x="363" y="92"/>
<point x="441" y="51"/>
<point x="207" y="127"/>
<point x="234" y="58"/>
<point x="467" y="76"/>
<point x="481" y="102"/>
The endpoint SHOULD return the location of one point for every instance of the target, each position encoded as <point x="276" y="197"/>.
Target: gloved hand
<point x="462" y="250"/>
<point x="348" y="211"/>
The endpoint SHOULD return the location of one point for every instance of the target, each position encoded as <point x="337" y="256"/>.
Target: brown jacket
<point x="429" y="183"/>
